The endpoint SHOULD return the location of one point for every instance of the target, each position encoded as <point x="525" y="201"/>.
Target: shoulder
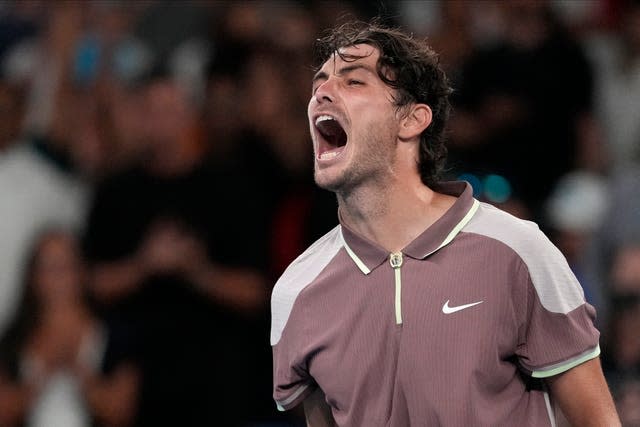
<point x="495" y="223"/>
<point x="548" y="270"/>
<point x="300" y="274"/>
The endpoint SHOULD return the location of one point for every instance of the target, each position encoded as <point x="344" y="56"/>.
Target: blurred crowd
<point x="156" y="179"/>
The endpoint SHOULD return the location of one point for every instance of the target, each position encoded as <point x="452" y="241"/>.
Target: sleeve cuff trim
<point x="565" y="366"/>
<point x="285" y="404"/>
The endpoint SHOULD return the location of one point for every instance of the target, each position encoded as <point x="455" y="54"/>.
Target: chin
<point x="326" y="181"/>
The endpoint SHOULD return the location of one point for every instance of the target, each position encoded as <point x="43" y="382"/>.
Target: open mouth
<point x="332" y="139"/>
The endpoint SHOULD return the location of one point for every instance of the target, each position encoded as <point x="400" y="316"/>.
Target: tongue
<point x="332" y="132"/>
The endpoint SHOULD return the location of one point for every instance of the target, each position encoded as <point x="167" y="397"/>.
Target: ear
<point x="415" y="120"/>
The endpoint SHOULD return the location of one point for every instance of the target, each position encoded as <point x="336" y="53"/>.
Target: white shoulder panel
<point x="555" y="283"/>
<point x="298" y="275"/>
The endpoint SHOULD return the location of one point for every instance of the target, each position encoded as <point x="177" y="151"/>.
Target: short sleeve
<point x="559" y="331"/>
<point x="292" y="382"/>
<point x="289" y="338"/>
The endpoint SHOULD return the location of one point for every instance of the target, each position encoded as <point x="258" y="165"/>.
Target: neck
<point x="393" y="213"/>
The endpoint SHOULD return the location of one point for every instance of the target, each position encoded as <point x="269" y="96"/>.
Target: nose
<point x="325" y="91"/>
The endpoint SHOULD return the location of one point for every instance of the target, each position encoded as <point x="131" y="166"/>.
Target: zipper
<point x="395" y="259"/>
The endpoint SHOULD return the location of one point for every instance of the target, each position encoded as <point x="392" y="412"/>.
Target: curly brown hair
<point x="409" y="66"/>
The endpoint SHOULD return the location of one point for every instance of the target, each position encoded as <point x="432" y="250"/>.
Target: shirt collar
<point x="368" y="255"/>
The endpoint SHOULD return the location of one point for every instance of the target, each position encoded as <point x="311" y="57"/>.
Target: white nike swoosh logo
<point x="446" y="309"/>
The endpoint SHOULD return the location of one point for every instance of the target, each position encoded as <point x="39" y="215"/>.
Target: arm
<point x="15" y="400"/>
<point x="317" y="411"/>
<point x="583" y="396"/>
<point x="113" y="398"/>
<point x="158" y="253"/>
<point x="243" y="290"/>
<point x="113" y="280"/>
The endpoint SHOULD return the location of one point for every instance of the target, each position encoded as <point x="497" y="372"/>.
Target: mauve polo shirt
<point x="457" y="329"/>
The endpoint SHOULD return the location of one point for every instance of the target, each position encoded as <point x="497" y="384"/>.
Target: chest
<point x="404" y="326"/>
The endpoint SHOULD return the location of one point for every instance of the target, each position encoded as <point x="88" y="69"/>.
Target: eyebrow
<point x="321" y="75"/>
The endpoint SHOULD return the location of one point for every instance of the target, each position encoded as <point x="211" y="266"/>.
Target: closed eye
<point x="353" y="82"/>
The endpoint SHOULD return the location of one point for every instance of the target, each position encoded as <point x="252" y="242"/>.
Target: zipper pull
<point x="395" y="259"/>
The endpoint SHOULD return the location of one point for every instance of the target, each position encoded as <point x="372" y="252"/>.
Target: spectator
<point x="35" y="190"/>
<point x="59" y="365"/>
<point x="176" y="249"/>
<point x="524" y="105"/>
<point x="272" y="141"/>
<point x="620" y="227"/>
<point x="622" y="349"/>
<point x="616" y="57"/>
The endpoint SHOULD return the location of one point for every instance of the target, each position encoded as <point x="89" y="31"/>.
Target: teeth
<point x="328" y="155"/>
<point x="323" y="118"/>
